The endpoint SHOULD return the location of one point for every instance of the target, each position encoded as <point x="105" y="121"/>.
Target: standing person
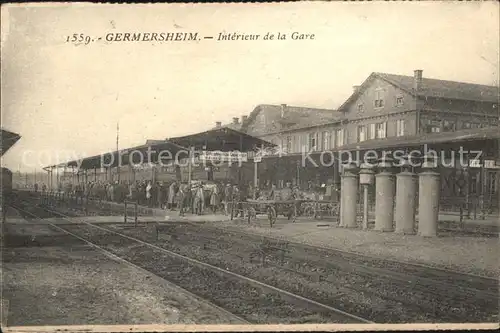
<point x="148" y="194"/>
<point x="111" y="192"/>
<point x="287" y="192"/>
<point x="251" y="192"/>
<point x="198" y="201"/>
<point x="273" y="193"/>
<point x="159" y="197"/>
<point x="132" y="192"/>
<point x="237" y="197"/>
<point x="154" y="194"/>
<point x="171" y="195"/>
<point x="184" y="191"/>
<point x="214" y="198"/>
<point x="228" y="196"/>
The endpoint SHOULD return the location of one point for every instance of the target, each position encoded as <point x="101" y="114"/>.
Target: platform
<point x="473" y="255"/>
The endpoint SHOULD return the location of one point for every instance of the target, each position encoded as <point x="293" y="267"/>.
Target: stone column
<point x="406" y="191"/>
<point x="428" y="203"/>
<point x="349" y="197"/>
<point x="384" y="199"/>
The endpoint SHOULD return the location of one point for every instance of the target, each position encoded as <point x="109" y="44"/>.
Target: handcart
<point x="272" y="208"/>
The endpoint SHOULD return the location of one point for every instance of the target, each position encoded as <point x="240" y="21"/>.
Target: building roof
<point x="433" y="88"/>
<point x="294" y="118"/>
<point x="7" y="140"/>
<point x="445" y="89"/>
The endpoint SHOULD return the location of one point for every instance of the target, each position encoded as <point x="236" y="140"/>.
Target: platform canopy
<point x="443" y="139"/>
<point x="160" y="150"/>
<point x="221" y="139"/>
<point x="8" y="139"/>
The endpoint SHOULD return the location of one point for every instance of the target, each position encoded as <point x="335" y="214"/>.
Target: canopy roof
<point x="223" y="139"/>
<point x="433" y="139"/>
<point x="153" y="151"/>
<point x="8" y="139"/>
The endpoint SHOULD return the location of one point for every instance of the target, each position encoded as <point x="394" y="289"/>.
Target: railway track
<point x="251" y="300"/>
<point x="451" y="301"/>
<point x="486" y="286"/>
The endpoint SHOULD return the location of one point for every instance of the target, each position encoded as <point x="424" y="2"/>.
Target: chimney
<point x="236" y="121"/>
<point x="417" y="79"/>
<point x="218" y="124"/>
<point x="355" y="89"/>
<point x="243" y="119"/>
<point x="283" y="110"/>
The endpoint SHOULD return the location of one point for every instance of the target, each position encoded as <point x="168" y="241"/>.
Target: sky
<point x="65" y="100"/>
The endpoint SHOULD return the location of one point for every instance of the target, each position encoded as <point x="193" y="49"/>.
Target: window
<point x="399" y="101"/>
<point x="381" y="130"/>
<point x="469" y="125"/>
<point x="340" y="137"/>
<point x="361" y="133"/>
<point x="379" y="98"/>
<point x="288" y="144"/>
<point x="313" y="141"/>
<point x="448" y="126"/>
<point x="372" y="132"/>
<point x="326" y="140"/>
<point x="298" y="142"/>
<point x="400" y="127"/>
<point x="433" y="126"/>
<point x="361" y="107"/>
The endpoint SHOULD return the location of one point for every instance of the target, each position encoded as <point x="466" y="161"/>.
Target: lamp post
<point x="366" y="178"/>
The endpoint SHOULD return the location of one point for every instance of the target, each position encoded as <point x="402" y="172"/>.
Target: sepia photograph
<point x="287" y="166"/>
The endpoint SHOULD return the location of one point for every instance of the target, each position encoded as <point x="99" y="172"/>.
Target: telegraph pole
<point x="117" y="151"/>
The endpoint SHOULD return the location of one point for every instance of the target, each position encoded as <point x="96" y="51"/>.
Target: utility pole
<point x="117" y="151"/>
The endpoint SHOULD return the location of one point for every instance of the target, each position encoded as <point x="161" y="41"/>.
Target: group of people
<point x="195" y="197"/>
<point x="182" y="196"/>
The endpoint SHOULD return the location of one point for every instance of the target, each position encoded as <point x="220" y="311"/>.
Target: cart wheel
<point x="271" y="215"/>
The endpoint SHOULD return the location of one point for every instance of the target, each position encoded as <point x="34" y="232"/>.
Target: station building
<point x="386" y="110"/>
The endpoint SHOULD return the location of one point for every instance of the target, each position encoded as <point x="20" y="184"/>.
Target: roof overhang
<point x="221" y="139"/>
<point x="491" y="134"/>
<point x="154" y="151"/>
<point x="8" y="139"/>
